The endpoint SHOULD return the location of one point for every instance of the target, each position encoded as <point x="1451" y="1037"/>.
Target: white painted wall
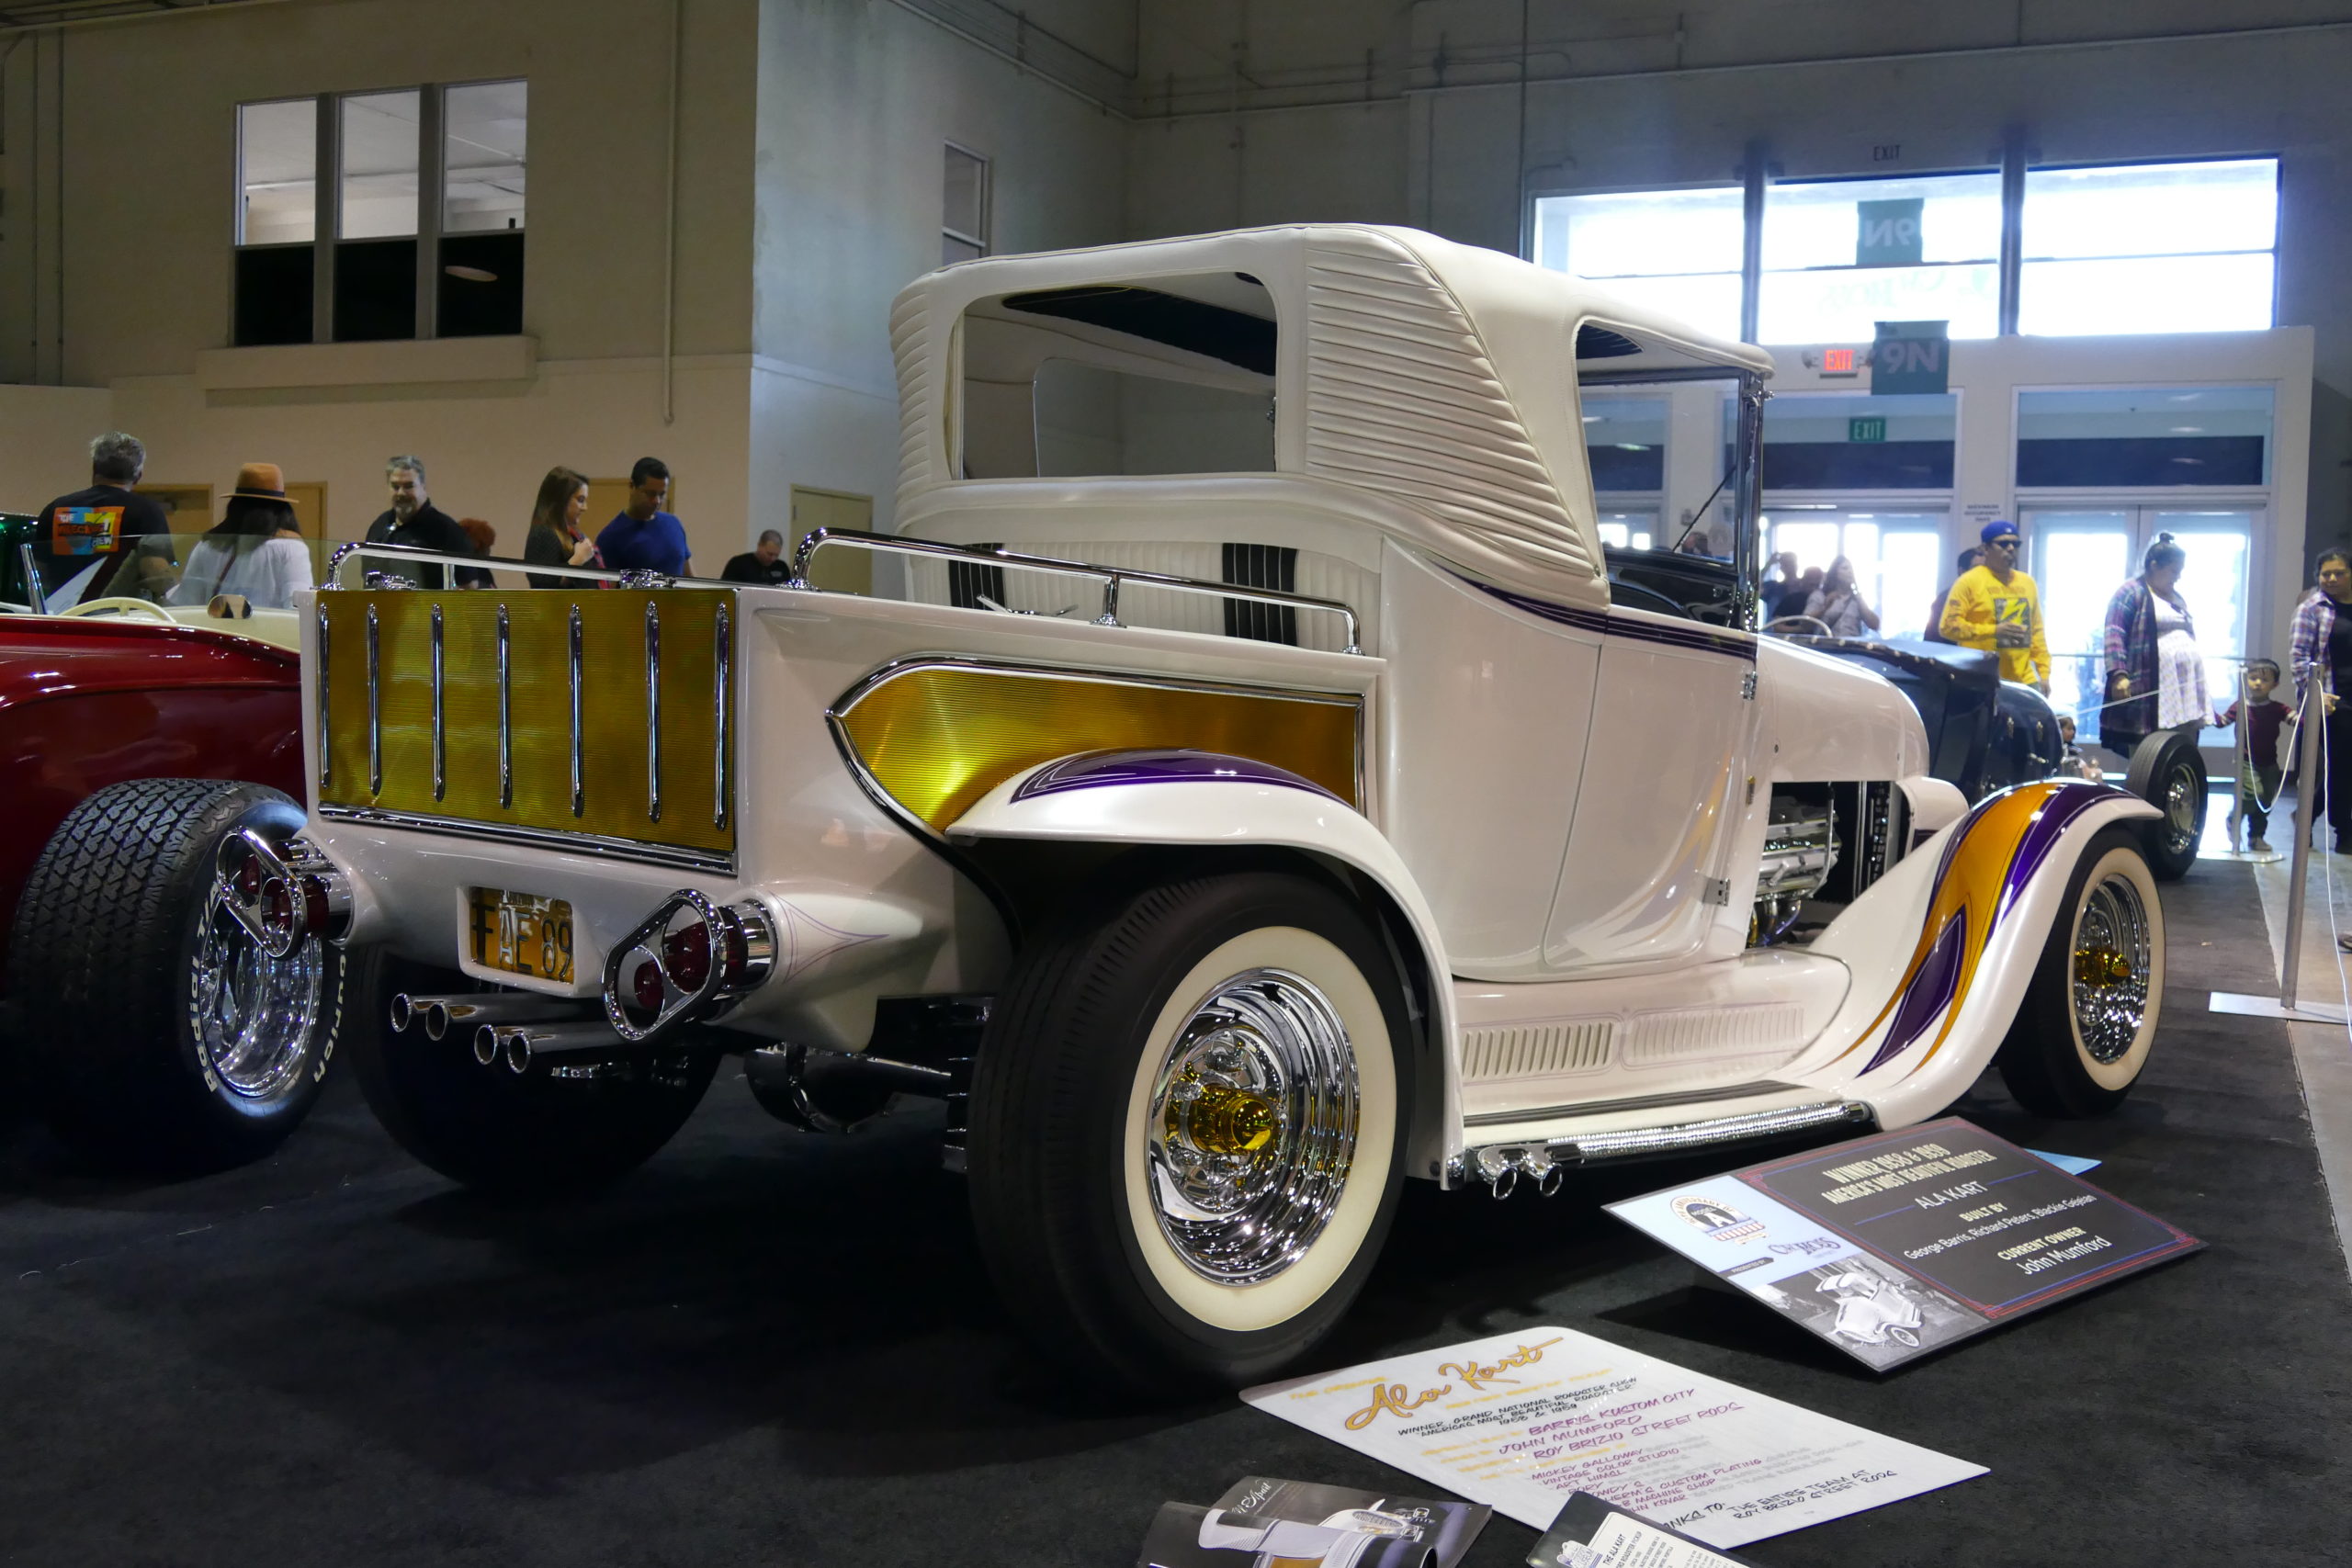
<point x="45" y="441"/>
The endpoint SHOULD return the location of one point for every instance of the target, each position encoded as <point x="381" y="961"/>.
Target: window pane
<point x="483" y="127"/>
<point x="1911" y="566"/>
<point x="963" y="197"/>
<point x="1625" y="443"/>
<point x="2138" y="436"/>
<point x="2147" y="294"/>
<point x="1854" y="442"/>
<point x="1674" y="251"/>
<point x="277" y="171"/>
<point x="379" y="159"/>
<point x="1842" y="255"/>
<point x="1629" y="530"/>
<point x="2152" y="210"/>
<point x="1823" y="223"/>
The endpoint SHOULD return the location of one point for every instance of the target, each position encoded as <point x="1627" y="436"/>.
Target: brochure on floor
<point x="1592" y="1532"/>
<point x="1524" y="1420"/>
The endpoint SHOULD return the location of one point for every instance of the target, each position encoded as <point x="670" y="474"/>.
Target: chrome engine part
<point x="1800" y="851"/>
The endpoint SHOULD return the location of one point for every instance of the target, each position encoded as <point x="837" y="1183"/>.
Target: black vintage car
<point x="1984" y="733"/>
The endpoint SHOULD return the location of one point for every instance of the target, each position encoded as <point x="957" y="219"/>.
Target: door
<point x="2080" y="555"/>
<point x="840" y="570"/>
<point x="1897" y="554"/>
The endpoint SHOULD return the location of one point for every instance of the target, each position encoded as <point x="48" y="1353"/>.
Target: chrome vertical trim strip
<point x="440" y="728"/>
<point x="375" y="708"/>
<point x="578" y="793"/>
<point x="653" y="711"/>
<point x="722" y="697"/>
<point x="326" y="750"/>
<point x="505" y="712"/>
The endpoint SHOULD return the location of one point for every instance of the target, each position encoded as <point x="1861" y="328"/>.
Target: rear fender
<point x="1944" y="946"/>
<point x="1235" y="803"/>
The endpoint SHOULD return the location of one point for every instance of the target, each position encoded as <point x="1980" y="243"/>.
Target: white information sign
<point x="1522" y="1420"/>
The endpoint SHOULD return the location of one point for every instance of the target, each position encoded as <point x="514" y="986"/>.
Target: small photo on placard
<point x="1869" y="1310"/>
<point x="1592" y="1532"/>
<point x="1262" y="1521"/>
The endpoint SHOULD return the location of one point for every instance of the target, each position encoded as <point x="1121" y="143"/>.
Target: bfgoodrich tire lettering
<point x="156" y="1036"/>
<point x="2083" y="1034"/>
<point x="1111" y="1268"/>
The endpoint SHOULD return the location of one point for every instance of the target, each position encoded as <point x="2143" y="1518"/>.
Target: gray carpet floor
<point x="772" y="1348"/>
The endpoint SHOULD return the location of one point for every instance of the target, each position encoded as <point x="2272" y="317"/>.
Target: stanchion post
<point x="2239" y="766"/>
<point x="2307" y="788"/>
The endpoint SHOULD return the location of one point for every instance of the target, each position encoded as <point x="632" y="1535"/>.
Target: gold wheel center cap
<point x="2101" y="966"/>
<point x="1223" y="1121"/>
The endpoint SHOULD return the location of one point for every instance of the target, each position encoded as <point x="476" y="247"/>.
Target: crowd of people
<point x="115" y="542"/>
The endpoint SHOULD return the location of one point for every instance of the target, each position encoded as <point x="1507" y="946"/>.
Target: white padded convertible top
<point x="1435" y="376"/>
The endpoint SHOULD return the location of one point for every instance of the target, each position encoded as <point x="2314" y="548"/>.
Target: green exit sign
<point x="1866" y="429"/>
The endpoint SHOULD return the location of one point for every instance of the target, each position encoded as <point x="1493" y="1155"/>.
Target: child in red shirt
<point x="2263" y="715"/>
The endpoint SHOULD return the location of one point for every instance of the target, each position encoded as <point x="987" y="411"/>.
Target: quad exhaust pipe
<point x="517" y="1045"/>
<point x="465" y="1010"/>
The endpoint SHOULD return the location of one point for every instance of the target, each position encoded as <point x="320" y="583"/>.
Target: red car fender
<point x="85" y="704"/>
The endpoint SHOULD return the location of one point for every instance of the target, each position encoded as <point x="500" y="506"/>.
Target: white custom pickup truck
<point x="1232" y="789"/>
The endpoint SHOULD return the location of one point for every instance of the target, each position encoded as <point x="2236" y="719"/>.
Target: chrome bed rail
<point x="1111" y="577"/>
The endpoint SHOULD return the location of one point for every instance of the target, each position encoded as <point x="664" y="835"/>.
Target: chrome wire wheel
<point x="2109" y="972"/>
<point x="1252" y="1127"/>
<point x="2184" y="807"/>
<point x="255" y="1019"/>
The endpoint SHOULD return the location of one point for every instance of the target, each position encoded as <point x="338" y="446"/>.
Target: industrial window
<point x="1841" y="441"/>
<point x="418" y="232"/>
<point x="278" y="210"/>
<point x="964" y="206"/>
<point x="1624" y="444"/>
<point x="2150" y="248"/>
<point x="1674" y="251"/>
<point x="482" y="168"/>
<point x="1842" y="255"/>
<point x="2139" y="437"/>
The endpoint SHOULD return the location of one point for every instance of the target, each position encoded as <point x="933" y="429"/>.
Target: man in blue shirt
<point x="644" y="537"/>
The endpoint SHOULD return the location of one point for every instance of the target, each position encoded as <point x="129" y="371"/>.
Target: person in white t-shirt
<point x="255" y="552"/>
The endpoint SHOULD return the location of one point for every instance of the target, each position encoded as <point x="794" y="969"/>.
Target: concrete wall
<point x="1257" y="113"/>
<point x="45" y="441"/>
<point x="857" y="103"/>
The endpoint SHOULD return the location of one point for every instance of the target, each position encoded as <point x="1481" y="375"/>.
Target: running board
<point x="1546" y="1161"/>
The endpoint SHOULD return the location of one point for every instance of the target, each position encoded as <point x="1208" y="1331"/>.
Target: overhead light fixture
<point x="1631" y="446"/>
<point x="2188" y="430"/>
<point x="471" y="274"/>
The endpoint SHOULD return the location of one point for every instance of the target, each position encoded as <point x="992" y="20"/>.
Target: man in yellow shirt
<point x="1996" y="607"/>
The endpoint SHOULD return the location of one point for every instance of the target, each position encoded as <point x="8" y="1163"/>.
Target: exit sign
<point x="1837" y="362"/>
<point x="1873" y="429"/>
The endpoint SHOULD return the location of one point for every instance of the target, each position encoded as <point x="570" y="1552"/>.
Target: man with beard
<point x="413" y="520"/>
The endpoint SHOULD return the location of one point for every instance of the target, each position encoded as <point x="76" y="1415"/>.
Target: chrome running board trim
<point x="1501" y="1165"/>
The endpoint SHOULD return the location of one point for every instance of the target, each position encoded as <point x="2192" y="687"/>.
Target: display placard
<point x="1592" y="1532"/>
<point x="1901" y="1243"/>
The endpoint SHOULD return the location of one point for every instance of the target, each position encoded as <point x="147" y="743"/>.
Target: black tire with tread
<point x="1048" y="1116"/>
<point x="529" y="1136"/>
<point x="2039" y="1060"/>
<point x="2153" y="761"/>
<point x="101" y="957"/>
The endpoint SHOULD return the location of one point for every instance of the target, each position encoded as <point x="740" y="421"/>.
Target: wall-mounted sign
<point x="1886" y="233"/>
<point x="1895" y="1245"/>
<point x="1837" y="362"/>
<point x="1911" y="357"/>
<point x="1870" y="429"/>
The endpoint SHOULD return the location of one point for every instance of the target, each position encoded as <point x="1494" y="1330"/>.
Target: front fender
<point x="1200" y="798"/>
<point x="1944" y="946"/>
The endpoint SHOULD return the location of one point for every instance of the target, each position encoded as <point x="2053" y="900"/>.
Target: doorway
<point x="2082" y="554"/>
<point x="838" y="569"/>
<point x="1896" y="551"/>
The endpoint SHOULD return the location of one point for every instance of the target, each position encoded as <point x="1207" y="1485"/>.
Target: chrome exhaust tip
<point x="403" y="1012"/>
<point x="518" y="1051"/>
<point x="436" y="1019"/>
<point x="486" y="1044"/>
<point x="1552" y="1181"/>
<point x="1505" y="1181"/>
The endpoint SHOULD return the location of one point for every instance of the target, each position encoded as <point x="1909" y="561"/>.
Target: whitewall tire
<point x="2081" y="1036"/>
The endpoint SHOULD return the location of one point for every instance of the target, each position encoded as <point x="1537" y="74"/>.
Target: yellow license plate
<point x="520" y="934"/>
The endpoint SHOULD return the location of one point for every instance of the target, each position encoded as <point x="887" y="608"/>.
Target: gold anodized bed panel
<point x="629" y="742"/>
<point x="936" y="736"/>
